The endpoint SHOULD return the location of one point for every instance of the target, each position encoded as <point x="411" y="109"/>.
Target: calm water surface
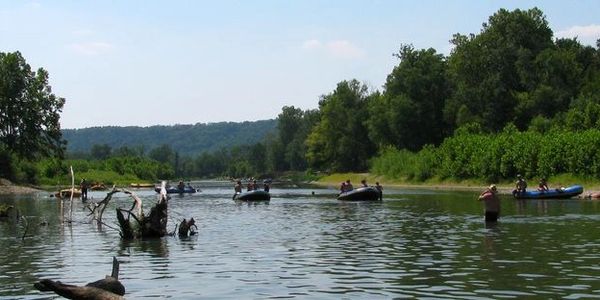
<point x="416" y="243"/>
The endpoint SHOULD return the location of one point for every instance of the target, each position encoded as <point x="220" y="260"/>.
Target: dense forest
<point x="187" y="139"/>
<point x="509" y="99"/>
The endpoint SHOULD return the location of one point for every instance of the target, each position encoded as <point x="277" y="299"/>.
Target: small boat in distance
<point x="255" y="195"/>
<point x="560" y="193"/>
<point x="368" y="193"/>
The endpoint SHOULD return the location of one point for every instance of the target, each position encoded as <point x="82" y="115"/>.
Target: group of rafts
<point x="366" y="193"/>
<point x="369" y="193"/>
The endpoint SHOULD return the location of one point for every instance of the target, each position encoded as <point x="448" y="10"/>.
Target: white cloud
<point x="337" y="48"/>
<point x="587" y="34"/>
<point x="312" y="44"/>
<point x="91" y="48"/>
<point x="344" y="49"/>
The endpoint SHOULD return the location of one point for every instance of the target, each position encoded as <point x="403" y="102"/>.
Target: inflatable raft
<point x="561" y="193"/>
<point x="360" y="194"/>
<point x="256" y="195"/>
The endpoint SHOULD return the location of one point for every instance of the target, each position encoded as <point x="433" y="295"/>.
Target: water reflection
<point x="426" y="244"/>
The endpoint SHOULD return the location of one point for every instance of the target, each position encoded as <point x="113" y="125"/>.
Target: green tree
<point x="163" y="153"/>
<point x="293" y="126"/>
<point x="100" y="151"/>
<point x="339" y="141"/>
<point x="29" y="111"/>
<point x="415" y="93"/>
<point x="488" y="70"/>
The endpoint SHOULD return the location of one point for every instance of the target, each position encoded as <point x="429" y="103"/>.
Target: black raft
<point x="360" y="194"/>
<point x="256" y="195"/>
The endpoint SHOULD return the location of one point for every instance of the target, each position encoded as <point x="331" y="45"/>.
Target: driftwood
<point x="134" y="223"/>
<point x="153" y="225"/>
<point x="109" y="288"/>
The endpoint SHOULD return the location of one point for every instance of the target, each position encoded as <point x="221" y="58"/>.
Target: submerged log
<point x="109" y="288"/>
<point x="75" y="292"/>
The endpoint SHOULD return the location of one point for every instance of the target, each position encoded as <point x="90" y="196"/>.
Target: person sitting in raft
<point x="266" y="186"/>
<point x="543" y="185"/>
<point x="181" y="185"/>
<point x="520" y="185"/>
<point x="349" y="186"/>
<point x="364" y="183"/>
<point x="492" y="203"/>
<point x="249" y="186"/>
<point x="343" y="187"/>
<point x="380" y="189"/>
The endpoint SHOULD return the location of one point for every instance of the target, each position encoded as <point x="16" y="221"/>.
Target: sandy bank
<point x="7" y="187"/>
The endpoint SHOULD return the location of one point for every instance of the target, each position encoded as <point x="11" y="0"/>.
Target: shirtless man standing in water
<point x="492" y="203"/>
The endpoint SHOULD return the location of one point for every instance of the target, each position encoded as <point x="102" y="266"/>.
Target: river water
<point x="416" y="243"/>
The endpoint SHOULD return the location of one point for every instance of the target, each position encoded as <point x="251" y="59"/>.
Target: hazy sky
<point x="184" y="62"/>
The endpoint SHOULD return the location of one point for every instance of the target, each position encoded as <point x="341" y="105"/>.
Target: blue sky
<point x="142" y="63"/>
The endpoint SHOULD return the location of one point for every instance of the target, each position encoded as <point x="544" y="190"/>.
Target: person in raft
<point x="543" y="185"/>
<point x="364" y="183"/>
<point x="492" y="203"/>
<point x="349" y="186"/>
<point x="343" y="187"/>
<point x="520" y="185"/>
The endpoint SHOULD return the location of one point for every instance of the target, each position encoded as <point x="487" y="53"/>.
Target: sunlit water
<point x="416" y="243"/>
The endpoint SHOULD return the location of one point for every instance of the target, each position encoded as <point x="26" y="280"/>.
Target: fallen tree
<point x="134" y="223"/>
<point x="109" y="288"/>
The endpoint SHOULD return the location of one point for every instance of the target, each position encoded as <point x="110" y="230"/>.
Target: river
<point x="304" y="244"/>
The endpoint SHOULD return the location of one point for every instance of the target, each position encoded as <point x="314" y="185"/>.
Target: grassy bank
<point x="505" y="186"/>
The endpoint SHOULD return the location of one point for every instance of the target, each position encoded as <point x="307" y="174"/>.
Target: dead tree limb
<point x="109" y="288"/>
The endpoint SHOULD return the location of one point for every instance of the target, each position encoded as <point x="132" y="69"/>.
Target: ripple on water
<point x="426" y="245"/>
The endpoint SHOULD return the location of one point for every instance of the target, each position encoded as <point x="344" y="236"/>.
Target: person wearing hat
<point x="492" y="203"/>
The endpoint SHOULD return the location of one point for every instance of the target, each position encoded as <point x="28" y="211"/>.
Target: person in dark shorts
<point x="380" y="189"/>
<point x="492" y="203"/>
<point x="84" y="188"/>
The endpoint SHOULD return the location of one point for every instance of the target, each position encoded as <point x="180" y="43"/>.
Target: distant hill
<point x="186" y="139"/>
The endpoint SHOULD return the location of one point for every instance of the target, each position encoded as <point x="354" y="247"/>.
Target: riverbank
<point x="7" y="188"/>
<point x="506" y="188"/>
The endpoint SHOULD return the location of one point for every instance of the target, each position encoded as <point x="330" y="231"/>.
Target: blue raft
<point x="563" y="193"/>
<point x="360" y="194"/>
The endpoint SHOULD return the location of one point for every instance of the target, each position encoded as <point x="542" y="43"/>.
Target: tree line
<point x="500" y="94"/>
